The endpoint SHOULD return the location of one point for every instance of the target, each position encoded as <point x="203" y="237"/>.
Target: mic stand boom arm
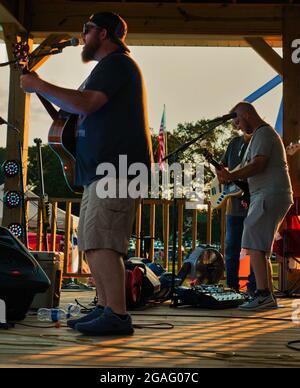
<point x="41" y="55"/>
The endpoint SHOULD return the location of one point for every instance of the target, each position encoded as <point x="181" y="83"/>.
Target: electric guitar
<point x="61" y="137"/>
<point x="219" y="193"/>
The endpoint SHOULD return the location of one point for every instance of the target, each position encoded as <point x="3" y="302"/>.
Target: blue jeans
<point x="234" y="232"/>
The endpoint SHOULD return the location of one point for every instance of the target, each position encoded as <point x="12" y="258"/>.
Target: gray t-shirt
<point x="275" y="177"/>
<point x="231" y="159"/>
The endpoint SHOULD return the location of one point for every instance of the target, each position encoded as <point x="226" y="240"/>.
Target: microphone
<point x="66" y="43"/>
<point x="224" y="118"/>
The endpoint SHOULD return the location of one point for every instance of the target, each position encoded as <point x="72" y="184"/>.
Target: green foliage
<point x="215" y="141"/>
<point x="55" y="184"/>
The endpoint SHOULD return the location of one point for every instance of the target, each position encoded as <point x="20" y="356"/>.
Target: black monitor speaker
<point x="21" y="277"/>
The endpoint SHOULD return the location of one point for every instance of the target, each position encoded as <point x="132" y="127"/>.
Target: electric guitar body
<point x="219" y="193"/>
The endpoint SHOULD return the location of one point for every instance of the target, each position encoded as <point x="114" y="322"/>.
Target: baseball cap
<point x="116" y="27"/>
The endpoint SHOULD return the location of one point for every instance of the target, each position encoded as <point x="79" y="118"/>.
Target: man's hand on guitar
<point x="30" y="82"/>
<point x="223" y="175"/>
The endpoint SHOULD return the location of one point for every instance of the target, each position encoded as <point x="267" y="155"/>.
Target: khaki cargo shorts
<point x="105" y="223"/>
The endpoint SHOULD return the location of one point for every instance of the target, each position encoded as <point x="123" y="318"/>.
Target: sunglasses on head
<point x="87" y="27"/>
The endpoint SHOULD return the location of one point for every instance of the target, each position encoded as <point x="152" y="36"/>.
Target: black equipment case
<point x="21" y="277"/>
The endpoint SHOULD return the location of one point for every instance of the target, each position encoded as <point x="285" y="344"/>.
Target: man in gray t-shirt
<point x="271" y="197"/>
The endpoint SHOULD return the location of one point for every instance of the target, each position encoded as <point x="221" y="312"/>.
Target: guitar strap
<point x="244" y="159"/>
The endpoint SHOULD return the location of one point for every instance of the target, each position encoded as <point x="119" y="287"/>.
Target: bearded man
<point x="113" y="121"/>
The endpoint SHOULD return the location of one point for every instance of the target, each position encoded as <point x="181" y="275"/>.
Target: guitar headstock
<point x="21" y="53"/>
<point x="293" y="148"/>
<point x="208" y="155"/>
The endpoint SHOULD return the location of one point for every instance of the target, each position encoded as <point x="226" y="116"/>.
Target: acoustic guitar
<point x="61" y="137"/>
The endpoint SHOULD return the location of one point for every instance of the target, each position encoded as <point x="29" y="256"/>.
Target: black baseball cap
<point x="116" y="27"/>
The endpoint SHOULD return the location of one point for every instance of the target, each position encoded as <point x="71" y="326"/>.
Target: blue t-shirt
<point x="120" y="127"/>
<point x="231" y="159"/>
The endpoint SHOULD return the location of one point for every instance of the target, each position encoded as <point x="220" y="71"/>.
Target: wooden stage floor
<point x="200" y="338"/>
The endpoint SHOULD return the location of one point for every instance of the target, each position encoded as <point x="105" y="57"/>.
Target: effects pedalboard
<point x="207" y="296"/>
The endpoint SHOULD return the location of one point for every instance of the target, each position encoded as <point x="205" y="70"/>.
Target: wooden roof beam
<point x="52" y="39"/>
<point x="49" y="16"/>
<point x="267" y="53"/>
<point x="7" y="17"/>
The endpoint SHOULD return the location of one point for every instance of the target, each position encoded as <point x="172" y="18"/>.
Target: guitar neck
<point x="215" y="164"/>
<point x="241" y="184"/>
<point x="47" y="105"/>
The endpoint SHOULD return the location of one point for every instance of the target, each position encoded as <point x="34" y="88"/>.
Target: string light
<point x="11" y="168"/>
<point x="12" y="199"/>
<point x="16" y="229"/>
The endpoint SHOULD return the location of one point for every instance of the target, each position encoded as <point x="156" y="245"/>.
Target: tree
<point x="55" y="184"/>
<point x="216" y="142"/>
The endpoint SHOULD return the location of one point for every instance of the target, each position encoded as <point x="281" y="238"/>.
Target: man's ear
<point x="246" y="115"/>
<point x="103" y="34"/>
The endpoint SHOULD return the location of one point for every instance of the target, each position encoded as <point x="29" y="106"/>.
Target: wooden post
<point x="39" y="229"/>
<point x="223" y="228"/>
<point x="266" y="52"/>
<point x="152" y="231"/>
<point x="53" y="227"/>
<point x="180" y="232"/>
<point x="166" y="209"/>
<point x="138" y="227"/>
<point x="27" y="210"/>
<point x="194" y="229"/>
<point x="208" y="224"/>
<point x="18" y="115"/>
<point x="291" y="89"/>
<point x="67" y="235"/>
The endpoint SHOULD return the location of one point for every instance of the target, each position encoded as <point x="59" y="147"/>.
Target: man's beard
<point x="89" y="51"/>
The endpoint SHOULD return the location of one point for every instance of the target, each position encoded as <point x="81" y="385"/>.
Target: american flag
<point x="161" y="139"/>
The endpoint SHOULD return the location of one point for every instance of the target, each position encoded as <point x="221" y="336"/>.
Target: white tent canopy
<point x="33" y="213"/>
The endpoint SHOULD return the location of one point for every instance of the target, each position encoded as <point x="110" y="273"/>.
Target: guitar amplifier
<point x="53" y="264"/>
<point x="207" y="296"/>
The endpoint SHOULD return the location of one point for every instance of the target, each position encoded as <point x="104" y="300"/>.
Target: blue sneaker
<point x="107" y="324"/>
<point x="97" y="311"/>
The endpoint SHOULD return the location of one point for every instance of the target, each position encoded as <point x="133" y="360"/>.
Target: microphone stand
<point x="174" y="156"/>
<point x="22" y="189"/>
<point x="44" y="54"/>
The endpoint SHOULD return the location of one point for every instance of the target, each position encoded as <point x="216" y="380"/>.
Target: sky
<point x="193" y="83"/>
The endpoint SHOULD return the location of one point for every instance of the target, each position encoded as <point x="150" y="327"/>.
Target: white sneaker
<point x="259" y="303"/>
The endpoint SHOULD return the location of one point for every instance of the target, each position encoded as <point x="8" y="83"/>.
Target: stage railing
<point x="166" y="205"/>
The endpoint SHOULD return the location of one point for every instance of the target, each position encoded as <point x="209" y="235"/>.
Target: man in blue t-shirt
<point x="235" y="216"/>
<point x="112" y="126"/>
